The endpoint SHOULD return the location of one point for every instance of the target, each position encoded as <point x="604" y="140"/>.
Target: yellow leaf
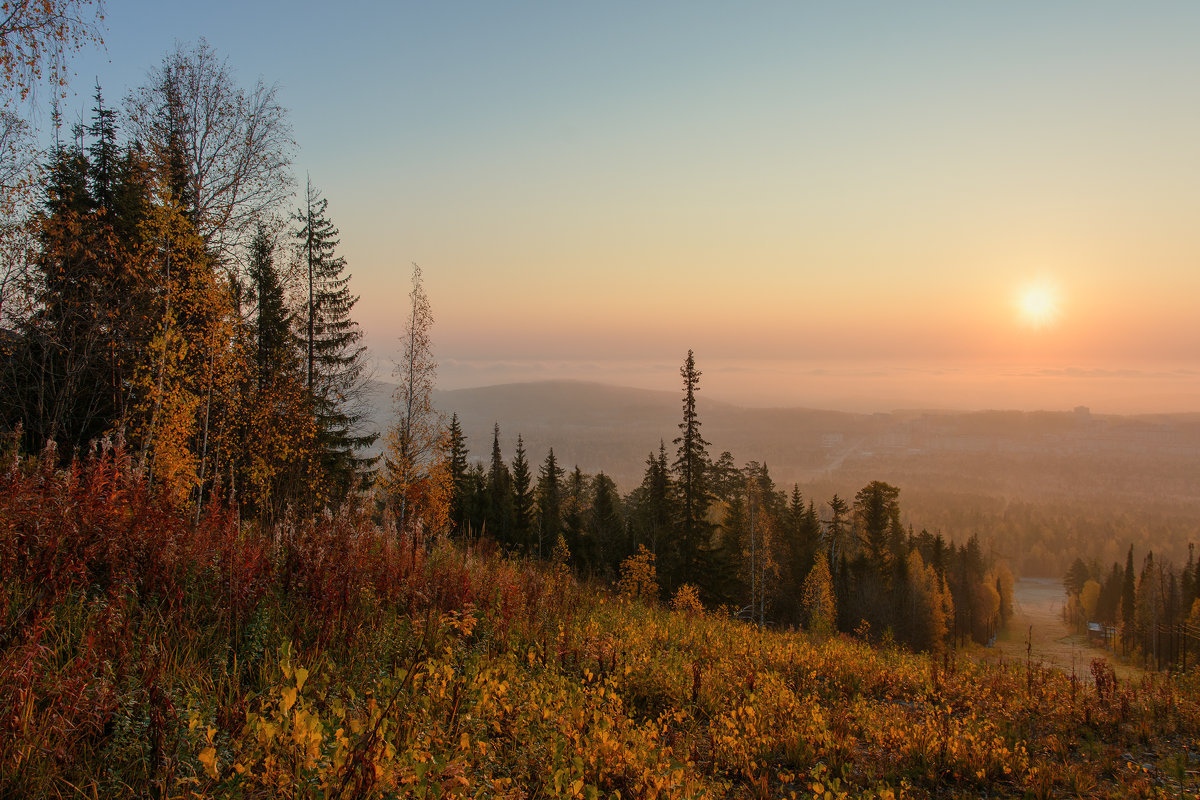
<point x="208" y="757"/>
<point x="287" y="700"/>
<point x="301" y="677"/>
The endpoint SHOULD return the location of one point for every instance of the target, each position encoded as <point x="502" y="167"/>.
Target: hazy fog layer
<point x="861" y="386"/>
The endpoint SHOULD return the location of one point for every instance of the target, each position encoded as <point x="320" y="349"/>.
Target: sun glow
<point x="1038" y="305"/>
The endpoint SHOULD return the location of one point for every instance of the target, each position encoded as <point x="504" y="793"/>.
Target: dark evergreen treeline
<point x="743" y="542"/>
<point x="158" y="291"/>
<point x="1151" y="612"/>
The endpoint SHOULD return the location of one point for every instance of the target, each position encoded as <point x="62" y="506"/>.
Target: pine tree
<point x="334" y="359"/>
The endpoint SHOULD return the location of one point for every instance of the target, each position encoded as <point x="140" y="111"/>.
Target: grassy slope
<point x="142" y="654"/>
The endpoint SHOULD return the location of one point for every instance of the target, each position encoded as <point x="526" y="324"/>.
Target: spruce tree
<point x="499" y="518"/>
<point x="690" y="462"/>
<point x="1128" y="604"/>
<point x="333" y="358"/>
<point x="456" y="441"/>
<point x="575" y="506"/>
<point x="549" y="503"/>
<point x="103" y="152"/>
<point x="607" y="525"/>
<point x="836" y="534"/>
<point x="652" y="510"/>
<point x="522" y="499"/>
<point x="273" y="344"/>
<point x="877" y="514"/>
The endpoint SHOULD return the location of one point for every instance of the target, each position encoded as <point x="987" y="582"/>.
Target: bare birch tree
<point x="417" y="474"/>
<point x="237" y="143"/>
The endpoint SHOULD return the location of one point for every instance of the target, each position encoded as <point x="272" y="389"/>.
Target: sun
<point x="1038" y="305"/>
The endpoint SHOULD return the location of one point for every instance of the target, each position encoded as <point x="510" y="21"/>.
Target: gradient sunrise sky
<point x="843" y="204"/>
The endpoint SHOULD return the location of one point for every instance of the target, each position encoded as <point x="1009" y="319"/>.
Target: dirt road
<point x="1037" y="618"/>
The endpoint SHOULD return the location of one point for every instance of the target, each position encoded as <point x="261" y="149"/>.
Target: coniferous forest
<point x="209" y="589"/>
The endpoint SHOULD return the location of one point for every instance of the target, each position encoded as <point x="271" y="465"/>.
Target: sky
<point x="856" y="205"/>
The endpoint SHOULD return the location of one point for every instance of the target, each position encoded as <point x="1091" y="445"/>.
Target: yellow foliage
<point x="817" y="598"/>
<point x="639" y="576"/>
<point x="687" y="598"/>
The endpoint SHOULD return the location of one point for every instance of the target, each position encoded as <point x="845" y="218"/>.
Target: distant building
<point x="1101" y="635"/>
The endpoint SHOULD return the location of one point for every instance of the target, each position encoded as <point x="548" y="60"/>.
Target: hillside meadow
<point x="145" y="653"/>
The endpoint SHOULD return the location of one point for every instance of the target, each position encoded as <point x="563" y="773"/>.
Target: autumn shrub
<point x="639" y="576"/>
<point x="687" y="599"/>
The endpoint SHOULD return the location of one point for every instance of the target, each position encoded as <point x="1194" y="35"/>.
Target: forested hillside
<point x="1039" y="489"/>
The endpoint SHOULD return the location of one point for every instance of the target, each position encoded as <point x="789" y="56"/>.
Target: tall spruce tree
<point x="690" y="462"/>
<point x="333" y="358"/>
